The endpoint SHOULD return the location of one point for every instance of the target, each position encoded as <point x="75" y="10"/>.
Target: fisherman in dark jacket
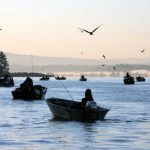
<point x="128" y="75"/>
<point x="88" y="97"/>
<point x="27" y="87"/>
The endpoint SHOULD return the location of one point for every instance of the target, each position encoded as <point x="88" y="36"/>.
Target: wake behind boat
<point x="72" y="110"/>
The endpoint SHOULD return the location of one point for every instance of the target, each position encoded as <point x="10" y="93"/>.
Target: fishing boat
<point x="60" y="78"/>
<point x="140" y="79"/>
<point x="128" y="80"/>
<point x="83" y="78"/>
<point x="45" y="78"/>
<point x="38" y="93"/>
<point x="6" y="81"/>
<point x="72" y="110"/>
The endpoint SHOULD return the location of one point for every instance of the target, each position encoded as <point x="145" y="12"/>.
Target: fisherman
<point x="88" y="97"/>
<point x="128" y="76"/>
<point x="27" y="87"/>
<point x="88" y="102"/>
<point x="82" y="76"/>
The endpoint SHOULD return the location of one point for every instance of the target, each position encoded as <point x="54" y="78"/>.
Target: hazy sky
<point x="50" y="27"/>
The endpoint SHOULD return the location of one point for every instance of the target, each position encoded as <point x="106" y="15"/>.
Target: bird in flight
<point x="103" y="65"/>
<point x="114" y="67"/>
<point x="103" y="56"/>
<point x="90" y="32"/>
<point x="142" y="51"/>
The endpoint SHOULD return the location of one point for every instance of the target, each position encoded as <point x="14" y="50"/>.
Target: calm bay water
<point x="29" y="125"/>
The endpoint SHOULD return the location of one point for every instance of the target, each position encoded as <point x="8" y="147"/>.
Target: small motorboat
<point x="60" y="78"/>
<point x="72" y="110"/>
<point x="128" y="80"/>
<point x="83" y="78"/>
<point x="38" y="93"/>
<point x="45" y="78"/>
<point x="6" y="81"/>
<point x="140" y="79"/>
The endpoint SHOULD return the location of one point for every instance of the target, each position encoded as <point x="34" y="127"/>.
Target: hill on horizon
<point x="28" y="60"/>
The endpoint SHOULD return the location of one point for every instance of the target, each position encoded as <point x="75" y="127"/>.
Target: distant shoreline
<point x="30" y="74"/>
<point x="89" y="74"/>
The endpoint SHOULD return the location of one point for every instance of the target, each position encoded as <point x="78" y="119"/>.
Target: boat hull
<point x="9" y="82"/>
<point x="71" y="110"/>
<point x="129" y="81"/>
<point x="85" y="79"/>
<point x="44" y="79"/>
<point x="60" y="78"/>
<point x="140" y="79"/>
<point x="7" y="85"/>
<point x="38" y="93"/>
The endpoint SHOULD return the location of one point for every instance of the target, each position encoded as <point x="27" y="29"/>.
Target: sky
<point x="50" y="28"/>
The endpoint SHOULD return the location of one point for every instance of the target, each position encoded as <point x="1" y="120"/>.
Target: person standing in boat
<point x="88" y="97"/>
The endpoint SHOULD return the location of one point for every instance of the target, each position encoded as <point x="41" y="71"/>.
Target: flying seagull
<point x="114" y="67"/>
<point x="90" y="32"/>
<point x="103" y="56"/>
<point x="142" y="51"/>
<point x="103" y="65"/>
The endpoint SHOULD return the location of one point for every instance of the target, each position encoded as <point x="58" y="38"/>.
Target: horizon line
<point x="74" y="57"/>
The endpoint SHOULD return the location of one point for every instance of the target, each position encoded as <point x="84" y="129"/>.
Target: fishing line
<point x="67" y="90"/>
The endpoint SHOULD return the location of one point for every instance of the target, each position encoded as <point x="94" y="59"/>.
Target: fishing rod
<point x="67" y="90"/>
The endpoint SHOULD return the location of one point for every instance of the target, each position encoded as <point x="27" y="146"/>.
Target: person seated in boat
<point x="82" y="77"/>
<point x="88" y="97"/>
<point x="27" y="87"/>
<point x="128" y="76"/>
<point x="45" y="76"/>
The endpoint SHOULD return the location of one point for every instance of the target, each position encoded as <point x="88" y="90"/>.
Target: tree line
<point x="4" y="65"/>
<point x="4" y="69"/>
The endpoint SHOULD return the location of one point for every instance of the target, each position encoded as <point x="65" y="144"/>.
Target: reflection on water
<point x="29" y="125"/>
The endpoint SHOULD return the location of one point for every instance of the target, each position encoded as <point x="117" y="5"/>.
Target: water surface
<point x="29" y="125"/>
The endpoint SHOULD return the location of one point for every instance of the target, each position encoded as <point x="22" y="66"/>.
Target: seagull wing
<point x="96" y="28"/>
<point x="103" y="56"/>
<point x="84" y="30"/>
<point x="143" y="50"/>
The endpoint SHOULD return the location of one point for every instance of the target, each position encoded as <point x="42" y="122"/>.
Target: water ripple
<point x="29" y="125"/>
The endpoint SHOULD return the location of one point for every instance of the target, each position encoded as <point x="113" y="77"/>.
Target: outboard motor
<point x="91" y="105"/>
